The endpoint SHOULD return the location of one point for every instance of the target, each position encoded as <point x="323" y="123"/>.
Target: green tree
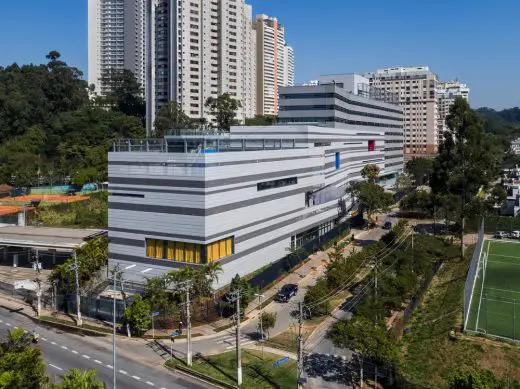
<point x="125" y="94"/>
<point x="261" y="120"/>
<point x="138" y="313"/>
<point x="21" y="366"/>
<point x="403" y="183"/>
<point x="370" y="172"/>
<point x="77" y="379"/>
<point x="224" y="109"/>
<point x="366" y="338"/>
<point x="420" y="170"/>
<point x="418" y="201"/>
<point x="266" y="321"/>
<point x="246" y="292"/>
<point x="371" y="197"/>
<point x="481" y="379"/>
<point x="469" y="160"/>
<point x="317" y="298"/>
<point x="171" y="117"/>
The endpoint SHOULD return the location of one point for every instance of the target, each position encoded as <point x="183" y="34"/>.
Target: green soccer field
<point x="495" y="302"/>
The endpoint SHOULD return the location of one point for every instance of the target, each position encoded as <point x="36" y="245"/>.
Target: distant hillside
<point x="504" y="123"/>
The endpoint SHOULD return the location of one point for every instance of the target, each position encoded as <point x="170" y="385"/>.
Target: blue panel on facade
<point x="338" y="161"/>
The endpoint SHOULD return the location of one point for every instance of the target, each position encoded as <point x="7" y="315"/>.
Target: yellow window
<point x="179" y="251"/>
<point x="209" y="253"/>
<point x="188" y="249"/>
<point x="159" y="249"/>
<point x="222" y="248"/>
<point x="214" y="249"/>
<point x="171" y="251"/>
<point x="229" y="246"/>
<point x="150" y="248"/>
<point x="197" y="253"/>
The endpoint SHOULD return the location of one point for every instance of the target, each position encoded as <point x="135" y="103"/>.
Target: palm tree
<point x="212" y="270"/>
<point x="77" y="379"/>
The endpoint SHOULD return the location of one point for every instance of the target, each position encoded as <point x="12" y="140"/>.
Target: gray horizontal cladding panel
<point x="234" y="257"/>
<point x="126" y="241"/>
<point x="202" y="238"/>
<point x="208" y="184"/>
<point x="150" y="261"/>
<point x="188" y="192"/>
<point x="273" y="227"/>
<point x="204" y="212"/>
<point x="211" y="164"/>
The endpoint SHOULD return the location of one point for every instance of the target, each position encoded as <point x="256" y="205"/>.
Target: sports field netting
<point x="495" y="300"/>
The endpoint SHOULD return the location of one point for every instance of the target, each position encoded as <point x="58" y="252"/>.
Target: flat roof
<point x="47" y="237"/>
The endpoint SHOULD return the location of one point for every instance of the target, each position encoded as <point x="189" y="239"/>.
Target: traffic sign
<point x="174" y="333"/>
<point x="155" y="314"/>
<point x="280" y="361"/>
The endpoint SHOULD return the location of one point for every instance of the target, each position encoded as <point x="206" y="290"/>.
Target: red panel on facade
<point x="371" y="145"/>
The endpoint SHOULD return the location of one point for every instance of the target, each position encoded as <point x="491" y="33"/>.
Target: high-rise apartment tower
<point x="447" y="92"/>
<point x="203" y="49"/>
<point x="416" y="90"/>
<point x="274" y="63"/>
<point x="116" y="39"/>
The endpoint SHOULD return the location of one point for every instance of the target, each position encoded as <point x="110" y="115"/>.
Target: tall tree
<point x="469" y="160"/>
<point x="370" y="172"/>
<point x="371" y="197"/>
<point x="138" y="313"/>
<point x="266" y="322"/>
<point x="420" y="170"/>
<point x="124" y="93"/>
<point x="261" y="120"/>
<point x="224" y="108"/>
<point x="171" y="117"/>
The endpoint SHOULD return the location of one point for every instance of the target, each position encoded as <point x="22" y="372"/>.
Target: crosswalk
<point x="230" y="341"/>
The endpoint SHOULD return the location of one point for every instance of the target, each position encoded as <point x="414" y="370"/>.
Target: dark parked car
<point x="287" y="291"/>
<point x="387" y="226"/>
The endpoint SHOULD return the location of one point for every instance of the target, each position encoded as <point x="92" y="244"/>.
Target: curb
<point x="200" y="377"/>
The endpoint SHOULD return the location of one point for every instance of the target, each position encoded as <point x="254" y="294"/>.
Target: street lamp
<point x="260" y="297"/>
<point x="74" y="267"/>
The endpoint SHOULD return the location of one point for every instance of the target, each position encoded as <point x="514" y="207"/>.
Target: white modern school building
<point x="241" y="198"/>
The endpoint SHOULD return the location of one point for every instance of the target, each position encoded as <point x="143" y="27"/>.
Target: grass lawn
<point x="256" y="373"/>
<point x="287" y="339"/>
<point x="428" y="357"/>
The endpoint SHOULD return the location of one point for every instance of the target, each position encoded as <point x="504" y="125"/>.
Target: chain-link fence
<point x="472" y="273"/>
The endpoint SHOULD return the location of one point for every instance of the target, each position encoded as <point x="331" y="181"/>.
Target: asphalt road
<point x="63" y="351"/>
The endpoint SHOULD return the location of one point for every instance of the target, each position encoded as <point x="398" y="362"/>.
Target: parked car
<point x="501" y="235"/>
<point x="515" y="235"/>
<point x="387" y="226"/>
<point x="286" y="292"/>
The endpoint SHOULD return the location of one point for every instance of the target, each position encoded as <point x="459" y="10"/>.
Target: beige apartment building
<point x="416" y="88"/>
<point x="274" y="63"/>
<point x="447" y="92"/>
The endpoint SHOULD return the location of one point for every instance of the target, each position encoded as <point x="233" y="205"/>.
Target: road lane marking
<point x="136" y="377"/>
<point x="95" y="360"/>
<point x="8" y="325"/>
<point x="85" y="356"/>
<point x="44" y="339"/>
<point x="53" y="342"/>
<point x="150" y="383"/>
<point x="146" y="270"/>
<point x="110" y="366"/>
<point x="74" y="352"/>
<point x="122" y="371"/>
<point x="56" y="367"/>
<point x="242" y="344"/>
<point x="64" y="347"/>
<point x="129" y="267"/>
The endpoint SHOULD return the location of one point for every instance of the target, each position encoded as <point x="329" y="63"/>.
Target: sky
<point x="474" y="41"/>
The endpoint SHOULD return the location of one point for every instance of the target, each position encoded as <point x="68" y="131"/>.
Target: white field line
<point x="482" y="287"/>
<point x="502" y="290"/>
<point x="474" y="282"/>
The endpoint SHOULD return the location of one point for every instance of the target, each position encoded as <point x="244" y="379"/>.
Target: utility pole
<point x="38" y="284"/>
<point x="299" y="364"/>
<point x="113" y="330"/>
<point x="188" y="325"/>
<point x="235" y="297"/>
<point x="260" y="296"/>
<point x="78" y="299"/>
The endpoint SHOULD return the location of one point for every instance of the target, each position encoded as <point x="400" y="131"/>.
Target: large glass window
<point x="189" y="252"/>
<point x="277" y="183"/>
